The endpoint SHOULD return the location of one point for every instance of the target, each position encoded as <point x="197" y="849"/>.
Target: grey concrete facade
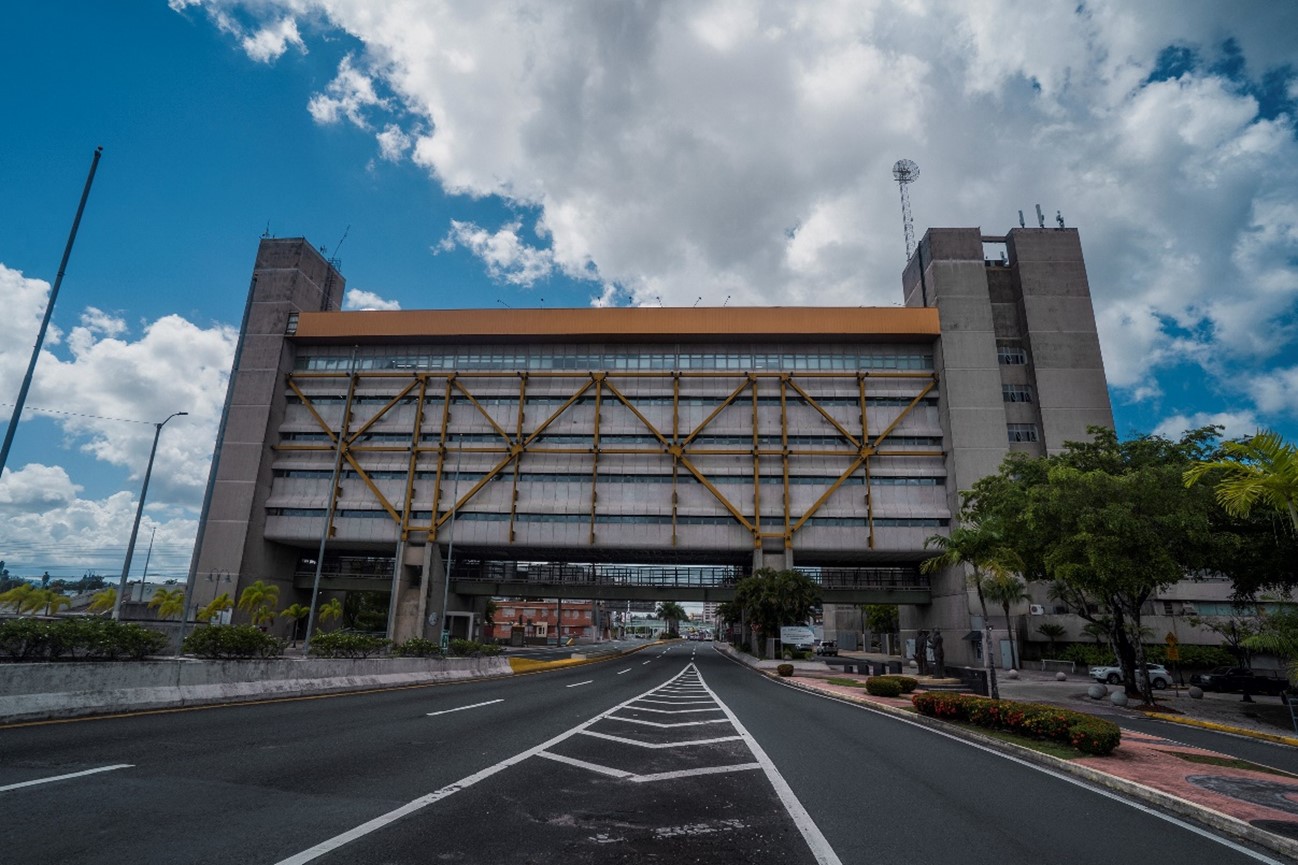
<point x="821" y="438"/>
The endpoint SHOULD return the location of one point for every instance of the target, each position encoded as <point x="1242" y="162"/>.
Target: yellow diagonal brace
<point x="725" y="502"/>
<point x="378" y="414"/>
<point x="387" y="506"/>
<point x="734" y="394"/>
<point x="482" y="411"/>
<point x="310" y="406"/>
<point x="902" y="414"/>
<point x="459" y="505"/>
<point x="635" y="411"/>
<point x="826" y="415"/>
<point x="856" y="463"/>
<point x="536" y="433"/>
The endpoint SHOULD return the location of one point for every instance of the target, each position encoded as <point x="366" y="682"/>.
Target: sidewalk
<point x="1252" y="803"/>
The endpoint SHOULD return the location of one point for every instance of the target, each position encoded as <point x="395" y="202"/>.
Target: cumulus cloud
<point x="1277" y="391"/>
<point x="269" y="43"/>
<point x="720" y="149"/>
<point x="1234" y="424"/>
<point x="360" y="299"/>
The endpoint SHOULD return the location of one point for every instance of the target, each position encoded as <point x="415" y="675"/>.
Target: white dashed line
<point x="53" y="778"/>
<point x="627" y="670"/>
<point x="579" y="684"/>
<point x="462" y="708"/>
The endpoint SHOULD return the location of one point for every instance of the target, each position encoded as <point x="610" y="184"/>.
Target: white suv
<point x="1159" y="677"/>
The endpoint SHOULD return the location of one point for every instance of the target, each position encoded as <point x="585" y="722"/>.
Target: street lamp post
<point x="139" y="512"/>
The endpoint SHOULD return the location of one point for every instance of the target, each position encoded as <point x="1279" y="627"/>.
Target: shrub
<point x="1086" y="733"/>
<point x="233" y="642"/>
<point x="472" y="649"/>
<point x="785" y="670"/>
<point x="418" y="647"/>
<point x="883" y="686"/>
<point x="906" y="683"/>
<point x="343" y="644"/>
<point x="77" y="639"/>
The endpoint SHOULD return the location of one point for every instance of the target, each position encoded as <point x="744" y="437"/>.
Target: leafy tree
<point x="332" y="609"/>
<point x="1278" y="635"/>
<point x="672" y="613"/>
<point x="1260" y="470"/>
<point x="45" y="601"/>
<point x="1051" y="632"/>
<point x="258" y="601"/>
<point x="296" y="613"/>
<point x="215" y="607"/>
<point x="168" y="602"/>
<point x="981" y="548"/>
<point x="103" y="601"/>
<point x="16" y="598"/>
<point x="771" y="599"/>
<point x="1234" y="630"/>
<point x="1007" y="589"/>
<point x="881" y="618"/>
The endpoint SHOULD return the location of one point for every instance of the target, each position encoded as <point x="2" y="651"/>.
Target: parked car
<point x="1159" y="677"/>
<point x="827" y="647"/>
<point x="1228" y="679"/>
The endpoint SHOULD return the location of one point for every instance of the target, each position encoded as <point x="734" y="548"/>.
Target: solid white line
<point x="579" y="684"/>
<point x="1078" y="782"/>
<point x="411" y="807"/>
<point x="640" y="744"/>
<point x="627" y="670"/>
<point x="666" y="726"/>
<point x="462" y="708"/>
<point x="582" y="764"/>
<point x="708" y="770"/>
<point x="669" y="711"/>
<point x="677" y="702"/>
<point x="65" y="777"/>
<point x="811" y="833"/>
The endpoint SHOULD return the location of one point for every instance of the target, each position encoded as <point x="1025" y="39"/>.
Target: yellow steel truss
<point x="671" y="443"/>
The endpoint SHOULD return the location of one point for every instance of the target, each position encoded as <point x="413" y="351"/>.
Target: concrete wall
<point x="59" y="690"/>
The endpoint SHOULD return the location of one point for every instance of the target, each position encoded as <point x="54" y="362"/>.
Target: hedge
<point x="1086" y="733"/>
<point x="344" y="644"/>
<point x="784" y="670"/>
<point x="77" y="639"/>
<point x="473" y="649"/>
<point x="233" y="642"/>
<point x="906" y="683"/>
<point x="418" y="647"/>
<point x="883" y="686"/>
<point x="1192" y="657"/>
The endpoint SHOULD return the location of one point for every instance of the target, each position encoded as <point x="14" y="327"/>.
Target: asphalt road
<point x="673" y="755"/>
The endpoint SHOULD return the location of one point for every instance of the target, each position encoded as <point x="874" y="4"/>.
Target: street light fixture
<point x="139" y="512"/>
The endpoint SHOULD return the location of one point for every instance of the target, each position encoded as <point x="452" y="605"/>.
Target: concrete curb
<point x="1223" y="728"/>
<point x="1165" y="801"/>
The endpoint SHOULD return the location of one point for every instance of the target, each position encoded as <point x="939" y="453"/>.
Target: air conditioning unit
<point x="1036" y="610"/>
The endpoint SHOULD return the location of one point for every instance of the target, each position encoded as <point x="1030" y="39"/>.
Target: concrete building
<point x="833" y="439"/>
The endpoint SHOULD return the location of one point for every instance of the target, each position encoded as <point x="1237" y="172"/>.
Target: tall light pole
<point x="139" y="512"/>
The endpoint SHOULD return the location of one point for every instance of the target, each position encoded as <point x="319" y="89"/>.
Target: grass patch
<point x="1228" y="762"/>
<point x="850" y="683"/>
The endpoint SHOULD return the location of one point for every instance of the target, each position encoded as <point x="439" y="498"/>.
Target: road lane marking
<point x="579" y="684"/>
<point x="582" y="764"/>
<point x="677" y="702"/>
<point x="53" y="778"/>
<point x="666" y="726"/>
<point x="682" y="744"/>
<point x="646" y="662"/>
<point x="462" y="708"/>
<point x="670" y="711"/>
<point x="706" y="770"/>
<point x="627" y="670"/>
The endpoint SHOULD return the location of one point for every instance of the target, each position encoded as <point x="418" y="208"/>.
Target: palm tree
<point x="983" y="551"/>
<point x="672" y="613"/>
<point x="103" y="601"/>
<point x="295" y="612"/>
<point x="1259" y="470"/>
<point x="258" y="601"/>
<point x="17" y="596"/>
<point x="215" y="607"/>
<point x="1007" y="589"/>
<point x="46" y="600"/>
<point x="1051" y="632"/>
<point x="333" y="609"/>
<point x="168" y="602"/>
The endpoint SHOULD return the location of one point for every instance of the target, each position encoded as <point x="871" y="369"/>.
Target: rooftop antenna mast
<point x="905" y="173"/>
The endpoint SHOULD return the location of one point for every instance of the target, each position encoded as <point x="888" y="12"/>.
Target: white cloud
<point x="360" y="299"/>
<point x="349" y="95"/>
<point x="507" y="257"/>
<point x="36" y="488"/>
<point x="1236" y="424"/>
<point x="269" y="43"/>
<point x="1276" y="392"/>
<point x="393" y="143"/>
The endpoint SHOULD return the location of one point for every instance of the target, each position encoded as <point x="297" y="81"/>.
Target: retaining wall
<point x="70" y="689"/>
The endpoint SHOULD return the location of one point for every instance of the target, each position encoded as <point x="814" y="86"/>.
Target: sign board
<point x="1171" y="639"/>
<point x="1172" y="652"/>
<point x="797" y="635"/>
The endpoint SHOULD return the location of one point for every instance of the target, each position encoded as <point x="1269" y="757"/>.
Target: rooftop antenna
<point x="543" y="303"/>
<point x="1022" y="224"/>
<point x="502" y="303"/>
<point x="266" y="233"/>
<point x="727" y="303"/>
<point x="1041" y="218"/>
<point x="697" y="302"/>
<point x="905" y="172"/>
<point x="1059" y="218"/>
<point x="660" y="300"/>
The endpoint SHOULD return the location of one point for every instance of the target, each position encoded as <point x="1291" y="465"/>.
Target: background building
<point x="709" y="440"/>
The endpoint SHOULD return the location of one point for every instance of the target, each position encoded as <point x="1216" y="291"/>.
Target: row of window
<point x="1016" y="393"/>
<point x="614" y="440"/>
<point x="1011" y="355"/>
<point x="467" y="480"/>
<point x="614" y="519"/>
<point x="793" y="401"/>
<point x="551" y="358"/>
<point x="1023" y="432"/>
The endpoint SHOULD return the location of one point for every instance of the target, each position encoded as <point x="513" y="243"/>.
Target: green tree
<point x="771" y="599"/>
<point x="168" y="602"/>
<point x="44" y="601"/>
<point x="1260" y="470"/>
<point x="16" y="598"/>
<point x="1006" y="590"/>
<point x="215" y="607"/>
<point x="1051" y="632"/>
<point x="258" y="601"/>
<point x="672" y="613"/>
<point x="331" y="609"/>
<point x="103" y="601"/>
<point x="1278" y="635"/>
<point x="295" y="613"/>
<point x="981" y="548"/>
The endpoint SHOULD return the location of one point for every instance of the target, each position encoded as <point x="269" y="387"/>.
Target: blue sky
<point x="570" y="153"/>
